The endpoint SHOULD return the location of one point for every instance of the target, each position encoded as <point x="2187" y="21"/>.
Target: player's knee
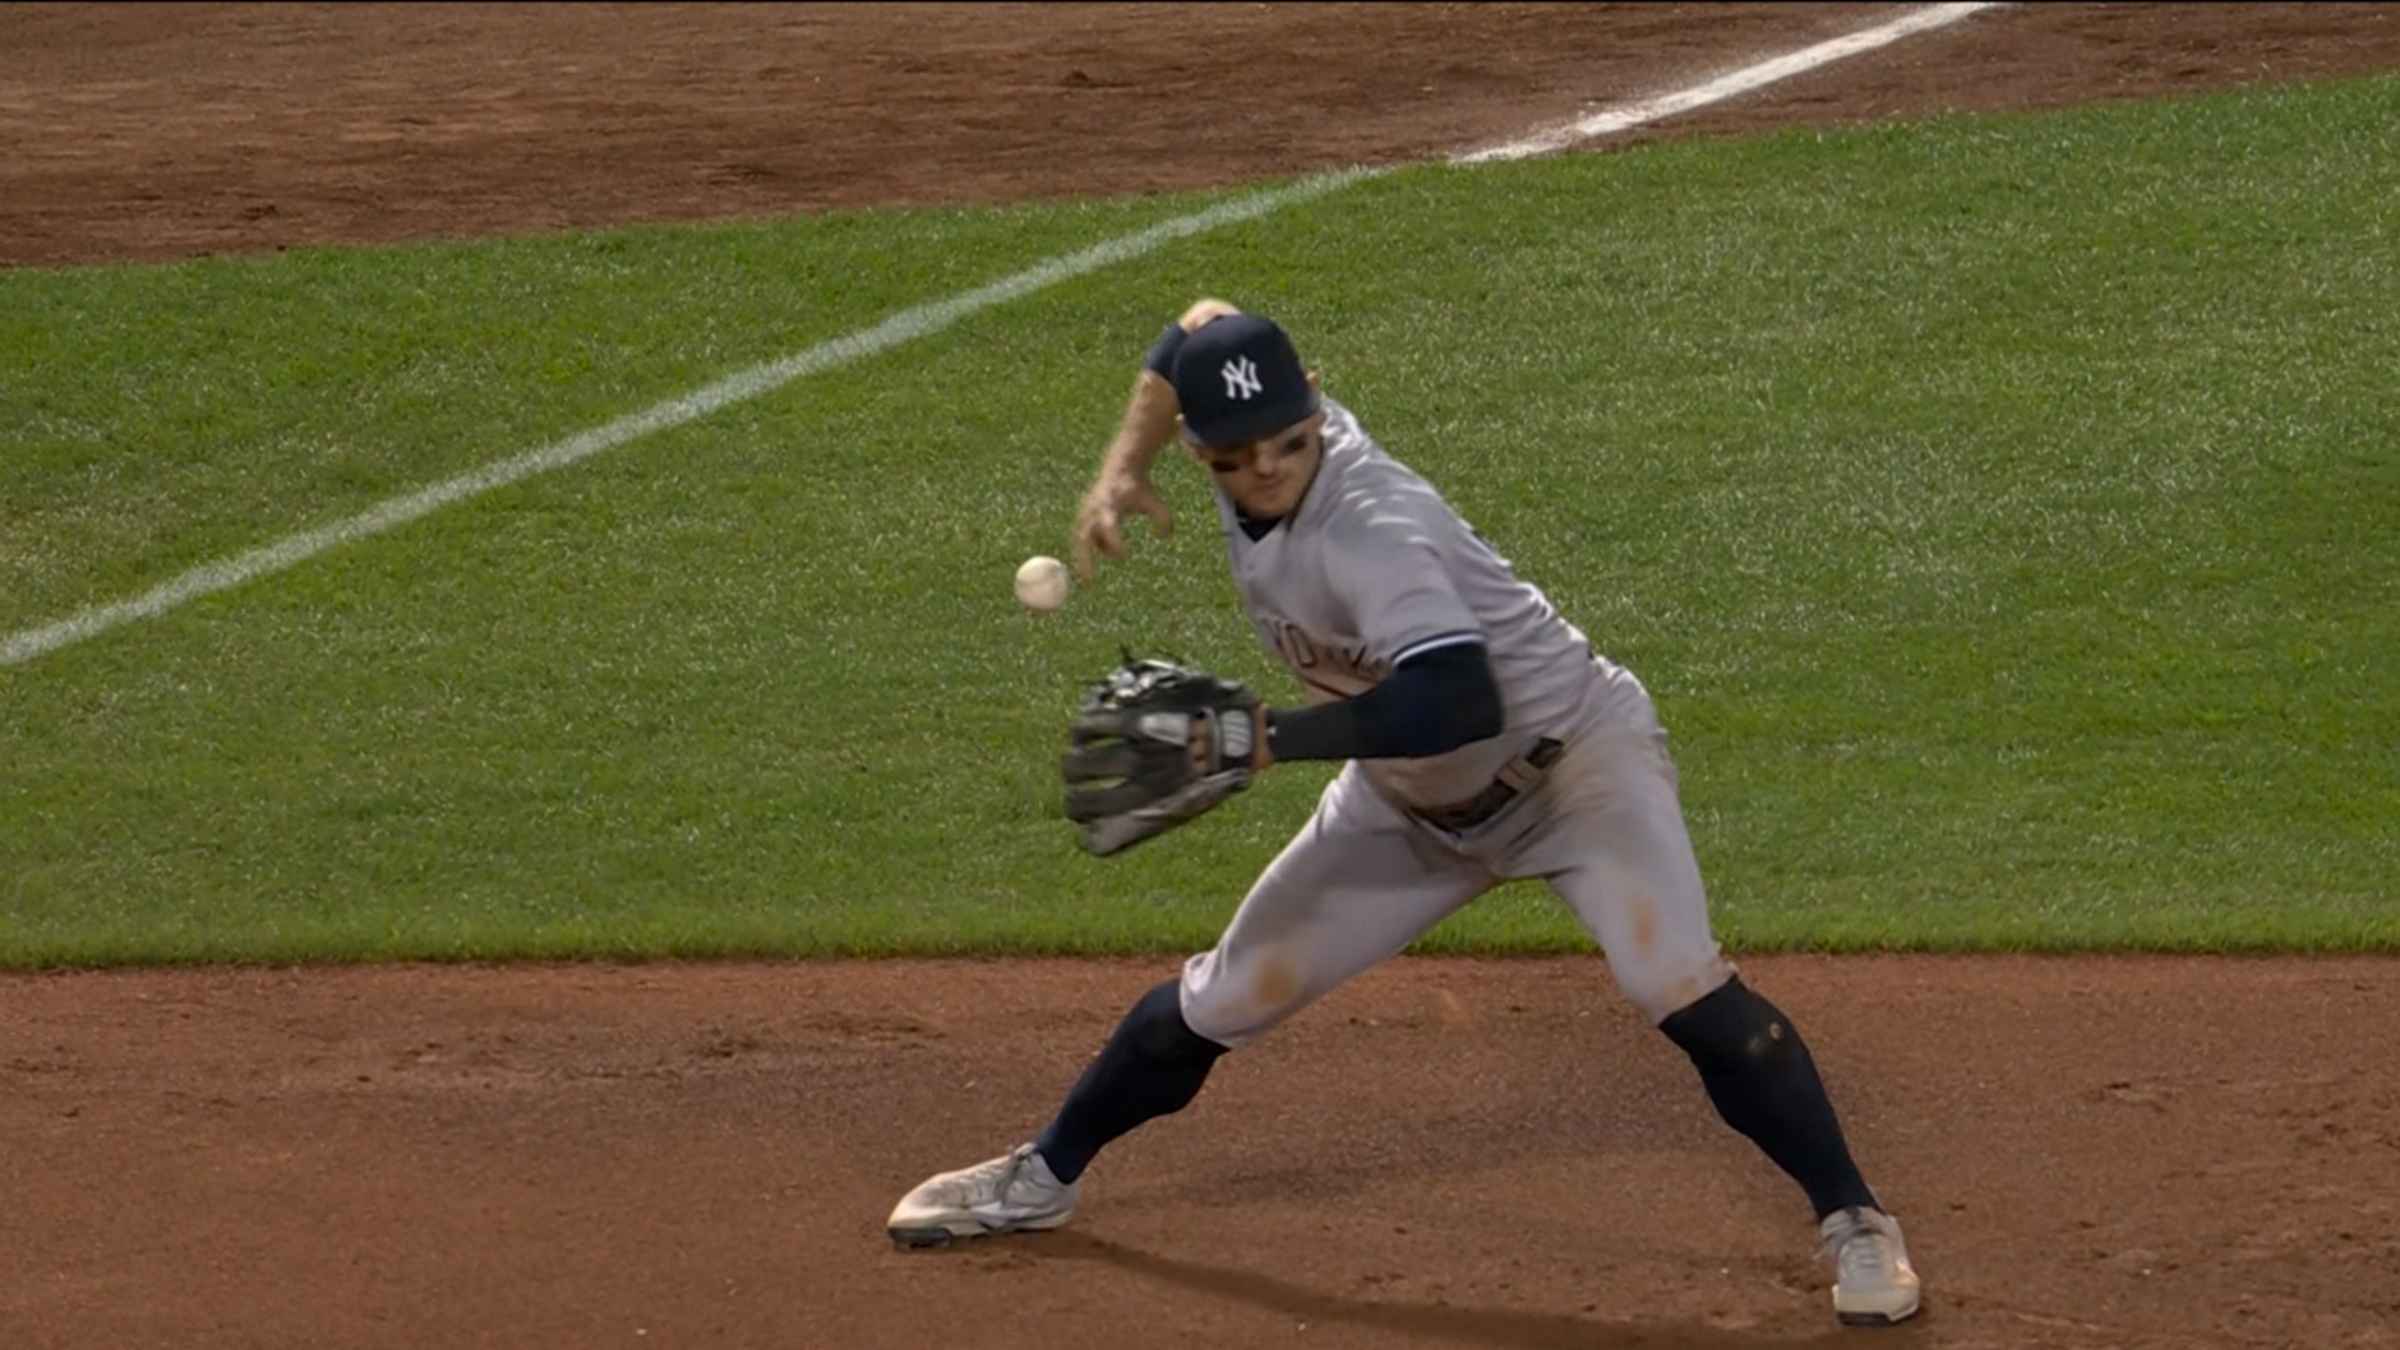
<point x="1156" y="1027"/>
<point x="1664" y="989"/>
<point x="1233" y="1002"/>
<point x="1731" y="1026"/>
<point x="1232" y="1023"/>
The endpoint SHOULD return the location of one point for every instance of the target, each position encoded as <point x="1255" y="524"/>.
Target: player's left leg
<point x="1763" y="1081"/>
<point x="1615" y="848"/>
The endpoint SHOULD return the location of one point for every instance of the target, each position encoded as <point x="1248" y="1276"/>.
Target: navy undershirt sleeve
<point x="1432" y="703"/>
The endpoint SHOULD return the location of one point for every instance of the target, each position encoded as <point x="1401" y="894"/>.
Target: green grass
<point x="2002" y="511"/>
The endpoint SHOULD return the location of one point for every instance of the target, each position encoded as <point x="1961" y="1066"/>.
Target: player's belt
<point x="1518" y="775"/>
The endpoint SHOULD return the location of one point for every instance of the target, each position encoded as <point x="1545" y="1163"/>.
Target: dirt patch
<point x="165" y="131"/>
<point x="2143" y="1153"/>
<point x="2132" y="1153"/>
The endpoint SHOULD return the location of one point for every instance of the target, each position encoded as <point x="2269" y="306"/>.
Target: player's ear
<point x="1312" y="382"/>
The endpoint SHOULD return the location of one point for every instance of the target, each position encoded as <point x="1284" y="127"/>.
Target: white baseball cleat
<point x="1873" y="1283"/>
<point x="1013" y="1192"/>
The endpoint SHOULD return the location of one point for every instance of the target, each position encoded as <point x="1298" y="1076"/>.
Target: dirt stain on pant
<point x="1277" y="986"/>
<point x="1644" y="912"/>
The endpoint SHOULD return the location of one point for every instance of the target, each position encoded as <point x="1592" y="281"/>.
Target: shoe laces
<point x="1861" y="1248"/>
<point x="993" y="1177"/>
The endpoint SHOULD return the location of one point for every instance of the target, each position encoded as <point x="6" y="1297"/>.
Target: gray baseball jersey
<point x="1375" y="567"/>
<point x="1371" y="568"/>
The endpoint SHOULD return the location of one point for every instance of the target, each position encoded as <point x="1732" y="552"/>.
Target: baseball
<point x="1042" y="583"/>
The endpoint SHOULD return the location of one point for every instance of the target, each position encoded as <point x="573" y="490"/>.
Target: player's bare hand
<point x="1100" y="521"/>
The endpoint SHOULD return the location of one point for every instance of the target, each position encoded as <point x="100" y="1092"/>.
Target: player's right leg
<point x="1356" y="885"/>
<point x="1618" y="852"/>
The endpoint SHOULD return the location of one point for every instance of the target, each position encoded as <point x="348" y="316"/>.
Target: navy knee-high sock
<point x="1764" y="1083"/>
<point x="1152" y="1066"/>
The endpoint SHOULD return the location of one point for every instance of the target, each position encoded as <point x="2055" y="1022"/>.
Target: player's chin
<point x="1269" y="505"/>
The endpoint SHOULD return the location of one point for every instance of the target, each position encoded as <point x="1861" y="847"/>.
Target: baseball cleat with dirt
<point x="1873" y="1283"/>
<point x="1011" y="1193"/>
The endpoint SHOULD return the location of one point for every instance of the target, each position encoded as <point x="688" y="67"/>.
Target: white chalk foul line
<point x="905" y="326"/>
<point x="1609" y="121"/>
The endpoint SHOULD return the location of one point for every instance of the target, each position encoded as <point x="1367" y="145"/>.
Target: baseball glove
<point x="1153" y="745"/>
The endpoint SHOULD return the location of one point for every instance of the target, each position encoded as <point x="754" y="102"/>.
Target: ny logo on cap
<point x="1241" y="378"/>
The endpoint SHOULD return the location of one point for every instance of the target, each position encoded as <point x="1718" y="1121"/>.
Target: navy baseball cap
<point x="1239" y="379"/>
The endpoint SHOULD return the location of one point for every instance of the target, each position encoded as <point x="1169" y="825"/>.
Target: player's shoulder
<point x="1373" y="497"/>
<point x="1368" y="471"/>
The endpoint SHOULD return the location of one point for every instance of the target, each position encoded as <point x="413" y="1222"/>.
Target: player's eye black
<point x="1292" y="445"/>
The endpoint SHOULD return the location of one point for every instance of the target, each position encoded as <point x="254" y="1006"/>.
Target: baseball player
<point x="1484" y="741"/>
